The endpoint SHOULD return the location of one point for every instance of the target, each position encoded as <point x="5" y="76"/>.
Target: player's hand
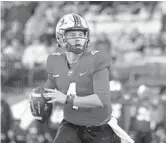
<point x="56" y="96"/>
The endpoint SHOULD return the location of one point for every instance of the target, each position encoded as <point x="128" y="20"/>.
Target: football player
<point x="79" y="80"/>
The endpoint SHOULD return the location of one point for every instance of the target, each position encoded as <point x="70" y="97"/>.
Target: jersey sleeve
<point x="101" y="86"/>
<point x="102" y="60"/>
<point x="49" y="65"/>
<point x="53" y="63"/>
<point x="50" y="83"/>
<point x="52" y="67"/>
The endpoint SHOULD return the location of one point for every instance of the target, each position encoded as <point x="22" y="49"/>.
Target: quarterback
<point x="79" y="80"/>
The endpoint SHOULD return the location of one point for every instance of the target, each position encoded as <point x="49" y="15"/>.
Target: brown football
<point x="40" y="109"/>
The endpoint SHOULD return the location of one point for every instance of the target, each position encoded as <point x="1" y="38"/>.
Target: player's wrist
<point x="69" y="100"/>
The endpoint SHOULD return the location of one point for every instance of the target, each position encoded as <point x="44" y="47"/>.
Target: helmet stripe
<point x="79" y="19"/>
<point x="75" y="21"/>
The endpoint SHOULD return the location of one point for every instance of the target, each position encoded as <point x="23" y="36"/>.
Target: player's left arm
<point x="89" y="101"/>
<point x="100" y="98"/>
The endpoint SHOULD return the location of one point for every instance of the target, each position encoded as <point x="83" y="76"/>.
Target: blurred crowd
<point x="148" y="117"/>
<point x="28" y="33"/>
<point x="28" y="37"/>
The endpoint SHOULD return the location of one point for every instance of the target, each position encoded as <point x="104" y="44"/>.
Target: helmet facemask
<point x="75" y="44"/>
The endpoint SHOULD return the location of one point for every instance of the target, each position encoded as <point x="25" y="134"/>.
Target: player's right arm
<point x="39" y="107"/>
<point x="50" y="83"/>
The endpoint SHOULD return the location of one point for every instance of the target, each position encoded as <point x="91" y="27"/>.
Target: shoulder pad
<point x="102" y="60"/>
<point x="53" y="63"/>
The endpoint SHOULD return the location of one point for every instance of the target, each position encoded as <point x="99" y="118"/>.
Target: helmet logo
<point x="62" y="22"/>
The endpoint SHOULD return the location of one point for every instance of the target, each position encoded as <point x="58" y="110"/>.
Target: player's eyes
<point x="81" y="35"/>
<point x="73" y="35"/>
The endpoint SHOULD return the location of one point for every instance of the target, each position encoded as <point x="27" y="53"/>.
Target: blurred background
<point x="134" y="33"/>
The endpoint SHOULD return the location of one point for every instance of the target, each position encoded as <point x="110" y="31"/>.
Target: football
<point x="40" y="109"/>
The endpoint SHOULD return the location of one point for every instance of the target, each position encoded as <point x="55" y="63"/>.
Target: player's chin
<point x="77" y="50"/>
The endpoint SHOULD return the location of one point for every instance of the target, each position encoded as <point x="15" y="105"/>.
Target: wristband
<point x="69" y="100"/>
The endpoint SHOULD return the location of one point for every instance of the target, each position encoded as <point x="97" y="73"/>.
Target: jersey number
<point x="72" y="89"/>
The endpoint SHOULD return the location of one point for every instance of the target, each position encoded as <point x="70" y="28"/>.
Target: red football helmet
<point x="72" y="22"/>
